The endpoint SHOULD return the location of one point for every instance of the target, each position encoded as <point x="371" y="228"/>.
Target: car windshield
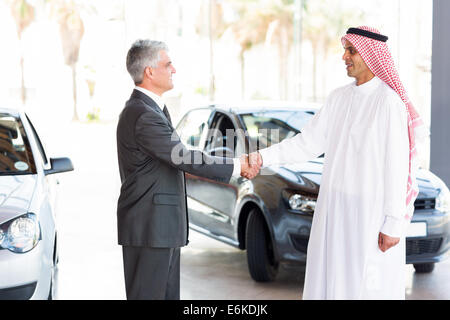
<point x="15" y="151"/>
<point x="269" y="127"/>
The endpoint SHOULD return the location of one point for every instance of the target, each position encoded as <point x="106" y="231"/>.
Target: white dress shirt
<point x="152" y="95"/>
<point x="160" y="103"/>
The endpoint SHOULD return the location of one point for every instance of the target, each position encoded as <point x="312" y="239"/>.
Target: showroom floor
<point x="91" y="261"/>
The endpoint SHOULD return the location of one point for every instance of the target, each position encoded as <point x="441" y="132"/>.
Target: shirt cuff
<point x="237" y="167"/>
<point x="265" y="157"/>
<point x="393" y="227"/>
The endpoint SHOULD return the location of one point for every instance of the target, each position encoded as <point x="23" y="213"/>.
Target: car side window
<point x="222" y="138"/>
<point x="38" y="142"/>
<point x="193" y="128"/>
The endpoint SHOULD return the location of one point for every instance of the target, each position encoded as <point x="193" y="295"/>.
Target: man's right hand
<point x="255" y="159"/>
<point x="249" y="166"/>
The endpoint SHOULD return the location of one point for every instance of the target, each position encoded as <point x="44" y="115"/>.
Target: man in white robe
<point x="357" y="241"/>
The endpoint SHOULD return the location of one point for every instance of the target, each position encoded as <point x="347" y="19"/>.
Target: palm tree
<point x="213" y="29"/>
<point x="324" y="22"/>
<point x="281" y="31"/>
<point x="24" y="15"/>
<point x="270" y="21"/>
<point x="249" y="30"/>
<point x="71" y="30"/>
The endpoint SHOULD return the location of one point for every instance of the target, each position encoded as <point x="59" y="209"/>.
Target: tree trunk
<point x="241" y="56"/>
<point x="212" y="87"/>
<point x="324" y="74"/>
<point x="314" y="47"/>
<point x="74" y="87"/>
<point x="23" y="89"/>
<point x="283" y="56"/>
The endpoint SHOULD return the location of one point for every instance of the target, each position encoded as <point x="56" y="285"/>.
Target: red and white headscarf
<point x="377" y="57"/>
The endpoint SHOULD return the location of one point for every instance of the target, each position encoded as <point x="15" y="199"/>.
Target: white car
<point x="28" y="237"/>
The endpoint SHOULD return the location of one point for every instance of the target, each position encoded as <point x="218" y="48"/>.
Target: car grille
<point x="423" y="204"/>
<point x="413" y="246"/>
<point x="422" y="246"/>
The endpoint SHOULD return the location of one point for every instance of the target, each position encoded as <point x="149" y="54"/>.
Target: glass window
<point x="15" y="152"/>
<point x="270" y="127"/>
<point x="193" y="126"/>
<point x="222" y="136"/>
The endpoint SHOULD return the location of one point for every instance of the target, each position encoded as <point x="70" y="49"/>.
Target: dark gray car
<point x="270" y="216"/>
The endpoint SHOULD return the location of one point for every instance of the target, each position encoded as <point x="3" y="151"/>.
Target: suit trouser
<point x="152" y="273"/>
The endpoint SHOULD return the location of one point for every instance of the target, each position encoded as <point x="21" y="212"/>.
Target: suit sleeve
<point x="306" y="145"/>
<point x="160" y="141"/>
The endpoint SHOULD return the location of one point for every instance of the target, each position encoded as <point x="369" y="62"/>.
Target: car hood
<point x="311" y="173"/>
<point x="307" y="174"/>
<point x="15" y="195"/>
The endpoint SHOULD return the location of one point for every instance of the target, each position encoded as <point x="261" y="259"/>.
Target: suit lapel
<point x="136" y="94"/>
<point x="166" y="112"/>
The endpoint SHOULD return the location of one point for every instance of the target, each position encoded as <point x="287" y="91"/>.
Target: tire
<point x="424" y="267"/>
<point x="260" y="257"/>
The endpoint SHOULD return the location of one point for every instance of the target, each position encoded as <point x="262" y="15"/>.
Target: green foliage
<point x="94" y="115"/>
<point x="325" y="22"/>
<point x="201" y="90"/>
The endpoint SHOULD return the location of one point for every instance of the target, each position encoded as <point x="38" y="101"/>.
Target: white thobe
<point x="364" y="134"/>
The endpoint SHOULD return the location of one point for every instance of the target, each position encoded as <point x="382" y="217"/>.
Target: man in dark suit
<point x="152" y="211"/>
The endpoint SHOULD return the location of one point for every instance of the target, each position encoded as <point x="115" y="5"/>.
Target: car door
<point x="193" y="129"/>
<point x="210" y="202"/>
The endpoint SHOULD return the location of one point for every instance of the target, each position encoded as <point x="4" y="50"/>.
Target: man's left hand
<point x="385" y="242"/>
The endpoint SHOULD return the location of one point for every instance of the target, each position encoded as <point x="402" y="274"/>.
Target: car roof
<point x="261" y="106"/>
<point x="12" y="111"/>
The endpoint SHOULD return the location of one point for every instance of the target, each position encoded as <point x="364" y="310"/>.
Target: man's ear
<point x="148" y="72"/>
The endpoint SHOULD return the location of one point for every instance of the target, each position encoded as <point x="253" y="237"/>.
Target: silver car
<point x="28" y="237"/>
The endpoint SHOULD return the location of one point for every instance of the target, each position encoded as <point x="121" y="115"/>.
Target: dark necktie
<point x="166" y="112"/>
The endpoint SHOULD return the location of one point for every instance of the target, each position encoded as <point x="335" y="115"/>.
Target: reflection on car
<point x="270" y="216"/>
<point x="28" y="236"/>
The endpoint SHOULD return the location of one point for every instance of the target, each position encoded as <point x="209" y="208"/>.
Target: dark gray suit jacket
<point x="152" y="209"/>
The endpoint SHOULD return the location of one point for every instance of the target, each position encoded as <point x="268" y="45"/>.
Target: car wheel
<point x="260" y="256"/>
<point x="424" y="267"/>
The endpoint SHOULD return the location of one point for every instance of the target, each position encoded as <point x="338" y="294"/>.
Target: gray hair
<point x="143" y="53"/>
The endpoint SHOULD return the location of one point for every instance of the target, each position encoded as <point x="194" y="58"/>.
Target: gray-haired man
<point x="151" y="212"/>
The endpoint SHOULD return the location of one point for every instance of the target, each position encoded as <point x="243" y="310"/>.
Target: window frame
<point x="203" y="134"/>
<point x="44" y="158"/>
<point x="216" y="121"/>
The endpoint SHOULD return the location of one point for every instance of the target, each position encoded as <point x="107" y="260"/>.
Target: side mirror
<point x="59" y="165"/>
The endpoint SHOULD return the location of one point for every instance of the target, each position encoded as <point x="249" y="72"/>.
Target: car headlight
<point x="300" y="202"/>
<point x="443" y="200"/>
<point x="21" y="234"/>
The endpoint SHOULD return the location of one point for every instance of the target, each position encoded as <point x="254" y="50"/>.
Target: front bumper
<point x="24" y="275"/>
<point x="24" y="292"/>
<point x="291" y="235"/>
<point x="435" y="246"/>
<point x="292" y="242"/>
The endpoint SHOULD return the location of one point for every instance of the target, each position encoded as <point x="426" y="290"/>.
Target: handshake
<point x="251" y="164"/>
